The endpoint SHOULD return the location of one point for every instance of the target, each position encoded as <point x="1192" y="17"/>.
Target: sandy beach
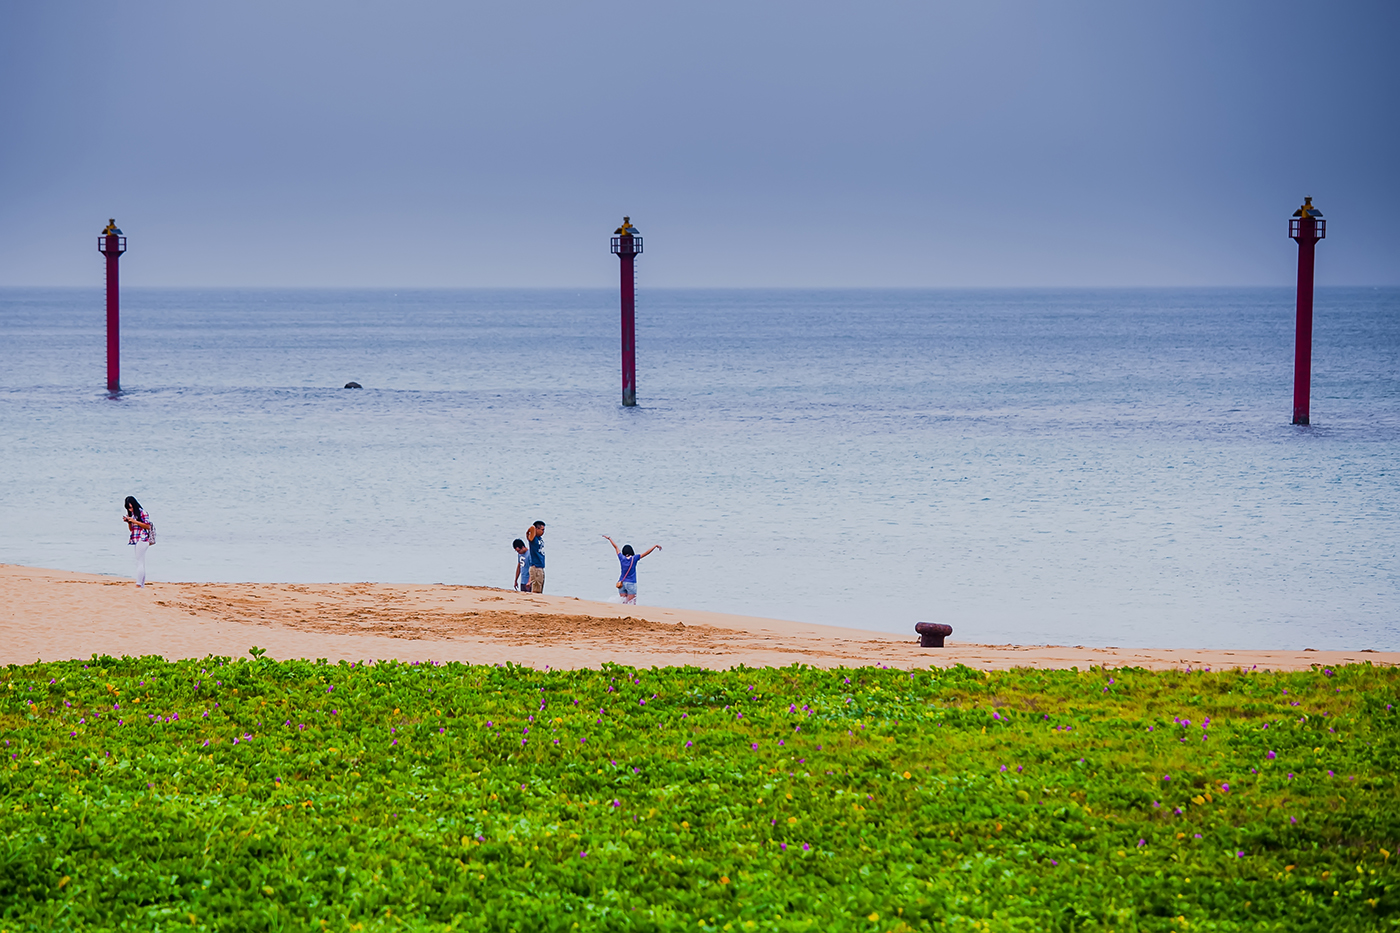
<point x="55" y="615"/>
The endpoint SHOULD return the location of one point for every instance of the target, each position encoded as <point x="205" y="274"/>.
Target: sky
<point x="773" y="144"/>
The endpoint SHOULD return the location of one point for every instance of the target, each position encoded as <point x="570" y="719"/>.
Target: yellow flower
<point x="723" y="879"/>
<point x="874" y="917"/>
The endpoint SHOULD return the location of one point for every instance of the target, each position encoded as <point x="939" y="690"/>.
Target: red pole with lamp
<point x="1306" y="227"/>
<point x="112" y="244"/>
<point x="627" y="246"/>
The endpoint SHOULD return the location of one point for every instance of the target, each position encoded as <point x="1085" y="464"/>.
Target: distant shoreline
<point x="56" y="615"/>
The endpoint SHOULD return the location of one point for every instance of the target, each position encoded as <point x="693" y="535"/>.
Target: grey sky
<point x="778" y="143"/>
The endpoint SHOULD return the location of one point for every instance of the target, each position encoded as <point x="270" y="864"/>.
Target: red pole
<point x="1306" y="228"/>
<point x="629" y="329"/>
<point x="114" y="364"/>
<point x="112" y="244"/>
<point x="626" y="244"/>
<point x="1302" y="354"/>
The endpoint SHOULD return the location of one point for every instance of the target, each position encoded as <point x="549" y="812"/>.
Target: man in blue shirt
<point x="535" y="535"/>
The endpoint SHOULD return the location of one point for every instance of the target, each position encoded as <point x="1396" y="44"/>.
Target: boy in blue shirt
<point x="522" y="566"/>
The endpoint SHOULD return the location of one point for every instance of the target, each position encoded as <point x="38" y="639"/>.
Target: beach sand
<point x="55" y="615"/>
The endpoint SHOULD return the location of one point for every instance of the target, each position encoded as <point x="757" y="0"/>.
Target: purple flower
<point x="687" y="744"/>
<point x="806" y="847"/>
<point x="1270" y="756"/>
<point x="1141" y="843"/>
<point x="1225" y="787"/>
<point x="782" y="845"/>
<point x="755" y="746"/>
<point x="581" y="853"/>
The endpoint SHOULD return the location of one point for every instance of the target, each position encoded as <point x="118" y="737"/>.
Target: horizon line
<point x="981" y="287"/>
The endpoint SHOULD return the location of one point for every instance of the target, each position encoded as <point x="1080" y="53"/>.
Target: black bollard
<point x="931" y="634"/>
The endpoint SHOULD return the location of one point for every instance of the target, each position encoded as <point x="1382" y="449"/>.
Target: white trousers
<point x="141" y="562"/>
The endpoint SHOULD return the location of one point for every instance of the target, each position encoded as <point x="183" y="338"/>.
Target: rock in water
<point x="353" y="385"/>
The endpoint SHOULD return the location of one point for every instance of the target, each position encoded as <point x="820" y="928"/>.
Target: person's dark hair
<point x="627" y="550"/>
<point x="133" y="506"/>
<point x="539" y="524"/>
<point x="517" y="543"/>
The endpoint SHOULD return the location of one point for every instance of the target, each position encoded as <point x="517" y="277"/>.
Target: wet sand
<point x="55" y="614"/>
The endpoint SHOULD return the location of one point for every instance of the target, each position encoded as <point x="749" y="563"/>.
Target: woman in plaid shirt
<point x="140" y="524"/>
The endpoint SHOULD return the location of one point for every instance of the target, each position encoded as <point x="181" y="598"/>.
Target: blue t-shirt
<point x="629" y="567"/>
<point x="537" y="551"/>
<point x="523" y="562"/>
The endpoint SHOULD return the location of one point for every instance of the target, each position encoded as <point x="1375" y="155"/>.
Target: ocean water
<point x="1096" y="467"/>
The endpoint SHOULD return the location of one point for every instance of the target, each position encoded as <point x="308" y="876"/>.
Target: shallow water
<point x="1069" y="466"/>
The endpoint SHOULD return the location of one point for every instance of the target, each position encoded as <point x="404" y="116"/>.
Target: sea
<point x="1098" y="467"/>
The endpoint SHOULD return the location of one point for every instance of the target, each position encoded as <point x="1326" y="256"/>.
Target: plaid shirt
<point x="137" y="532"/>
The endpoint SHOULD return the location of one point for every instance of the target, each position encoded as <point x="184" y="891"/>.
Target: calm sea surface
<point x="1097" y="467"/>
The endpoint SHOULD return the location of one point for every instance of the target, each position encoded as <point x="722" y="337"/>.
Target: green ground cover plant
<point x="248" y="794"/>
